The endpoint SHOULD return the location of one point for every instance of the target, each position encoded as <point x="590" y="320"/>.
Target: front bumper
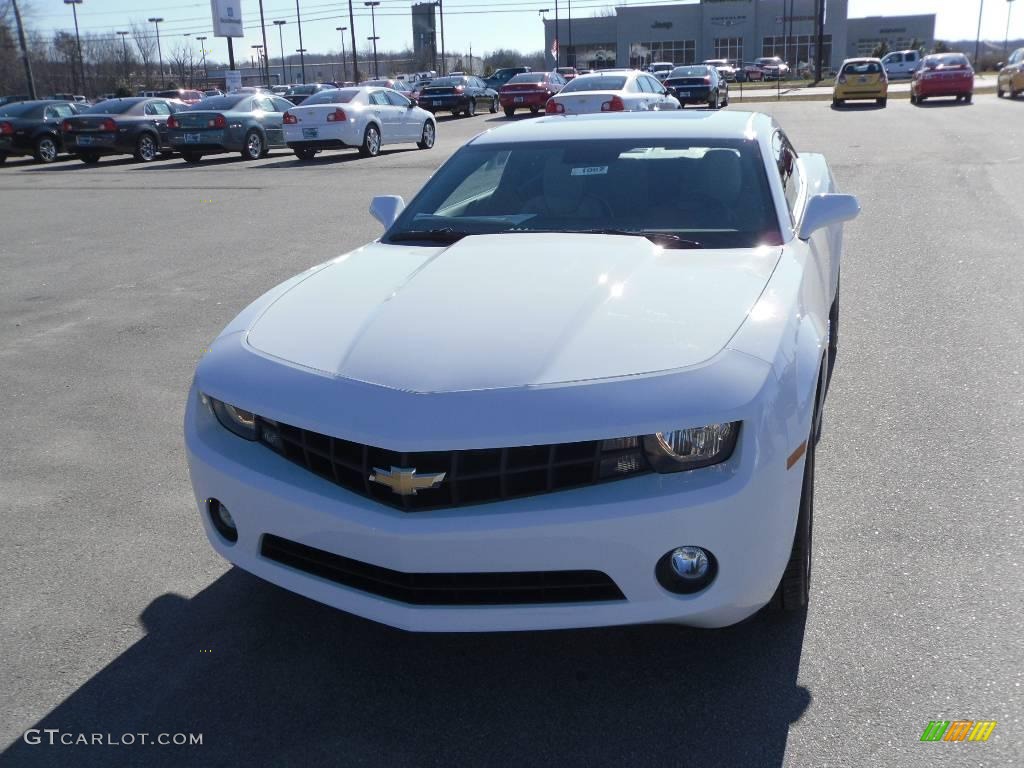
<point x="743" y="511"/>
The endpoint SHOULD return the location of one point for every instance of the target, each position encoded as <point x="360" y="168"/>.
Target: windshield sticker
<point x="590" y="170"/>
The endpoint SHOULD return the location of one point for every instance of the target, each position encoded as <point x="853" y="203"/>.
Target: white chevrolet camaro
<point x="578" y="381"/>
<point x="364" y="118"/>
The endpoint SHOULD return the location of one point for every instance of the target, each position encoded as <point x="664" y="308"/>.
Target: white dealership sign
<point x="227" y="18"/>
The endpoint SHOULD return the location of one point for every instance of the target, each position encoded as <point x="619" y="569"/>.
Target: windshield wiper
<point x="665" y="239"/>
<point x="443" y="235"/>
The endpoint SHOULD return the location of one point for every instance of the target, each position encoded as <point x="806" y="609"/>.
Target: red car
<point x="943" y="74"/>
<point x="530" y="90"/>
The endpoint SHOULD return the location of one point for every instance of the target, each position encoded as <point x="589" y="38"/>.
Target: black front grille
<point x="470" y="476"/>
<point x="501" y="588"/>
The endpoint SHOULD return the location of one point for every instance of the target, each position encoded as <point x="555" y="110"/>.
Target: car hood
<point x="513" y="310"/>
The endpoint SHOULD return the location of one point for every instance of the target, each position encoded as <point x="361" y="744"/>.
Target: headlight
<point x="691" y="448"/>
<point x="242" y="423"/>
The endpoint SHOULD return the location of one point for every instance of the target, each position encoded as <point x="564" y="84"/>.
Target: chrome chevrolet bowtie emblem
<point x="404" y="481"/>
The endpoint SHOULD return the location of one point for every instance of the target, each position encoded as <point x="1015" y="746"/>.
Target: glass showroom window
<point x="676" y="51"/>
<point x="591" y="56"/>
<point x="730" y="48"/>
<point x="796" y="49"/>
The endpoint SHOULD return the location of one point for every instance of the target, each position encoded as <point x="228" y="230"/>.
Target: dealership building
<point x="741" y="30"/>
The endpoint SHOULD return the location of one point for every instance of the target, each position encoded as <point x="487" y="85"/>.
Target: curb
<point x="904" y="95"/>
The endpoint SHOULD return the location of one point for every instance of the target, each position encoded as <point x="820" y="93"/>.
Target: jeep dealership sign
<point x="227" y="18"/>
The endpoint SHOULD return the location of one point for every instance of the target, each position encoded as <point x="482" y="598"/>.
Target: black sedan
<point x="33" y="128"/>
<point x="458" y="94"/>
<point x="299" y="93"/>
<point x="134" y="126"/>
<point x="248" y="123"/>
<point x="698" y="84"/>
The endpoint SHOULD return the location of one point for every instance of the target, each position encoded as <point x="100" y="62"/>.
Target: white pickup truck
<point x="901" y="63"/>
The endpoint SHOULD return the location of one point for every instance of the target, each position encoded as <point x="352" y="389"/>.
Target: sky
<point x="483" y="25"/>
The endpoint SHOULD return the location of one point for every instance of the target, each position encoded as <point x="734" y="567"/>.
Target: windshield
<point x="20" y="109"/>
<point x="332" y="96"/>
<point x="689" y="72"/>
<point x="712" y="192"/>
<point x="113" y="107"/>
<point x="595" y="83"/>
<point x="531" y="78"/>
<point x="862" y="68"/>
<point x="447" y="82"/>
<point x="946" y="60"/>
<point x="298" y="90"/>
<point x="220" y="102"/>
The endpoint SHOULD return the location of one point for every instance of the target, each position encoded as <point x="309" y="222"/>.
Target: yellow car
<point x="861" y="79"/>
<point x="1011" y="76"/>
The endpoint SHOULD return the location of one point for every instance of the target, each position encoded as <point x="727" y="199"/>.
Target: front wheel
<point x="252" y="149"/>
<point x="46" y="149"/>
<point x="146" y="149"/>
<point x="371" y="142"/>
<point x="305" y="154"/>
<point x="794" y="590"/>
<point x="427" y="136"/>
<point x="494" y="105"/>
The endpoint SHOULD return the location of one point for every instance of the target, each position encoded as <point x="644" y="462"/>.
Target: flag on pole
<point x="554" y="49"/>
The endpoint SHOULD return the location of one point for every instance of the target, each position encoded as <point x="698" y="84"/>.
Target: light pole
<point x="352" y="31"/>
<point x="124" y="46"/>
<point x="279" y="23"/>
<point x="343" y="65"/>
<point x="202" y="49"/>
<point x="78" y="39"/>
<point x="444" y="55"/>
<point x="977" y="40"/>
<point x="1006" y="38"/>
<point x="259" y="58"/>
<point x="266" y="49"/>
<point x="372" y="5"/>
<point x="156" y="20"/>
<point x="302" y="51"/>
<point x="558" y="43"/>
<point x="29" y="79"/>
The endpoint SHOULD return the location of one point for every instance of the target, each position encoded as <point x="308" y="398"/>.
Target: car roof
<point x="682" y="124"/>
<point x="859" y="59"/>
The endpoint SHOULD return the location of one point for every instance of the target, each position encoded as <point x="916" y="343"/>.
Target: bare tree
<point x="145" y="44"/>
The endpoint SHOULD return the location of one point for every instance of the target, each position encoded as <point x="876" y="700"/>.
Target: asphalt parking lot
<point x="116" y="616"/>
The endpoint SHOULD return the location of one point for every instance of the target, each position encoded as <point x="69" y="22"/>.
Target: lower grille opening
<point x="501" y="588"/>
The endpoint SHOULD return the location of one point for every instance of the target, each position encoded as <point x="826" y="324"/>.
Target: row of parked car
<point x="249" y="123"/>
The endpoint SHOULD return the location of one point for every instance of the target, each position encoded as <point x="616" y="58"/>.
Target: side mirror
<point x="386" y="208"/>
<point x="1000" y="64"/>
<point x="413" y="103"/>
<point x="825" y="210"/>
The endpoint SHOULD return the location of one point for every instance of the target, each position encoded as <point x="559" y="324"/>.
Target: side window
<point x="634" y="86"/>
<point x="265" y="104"/>
<point x="51" y="113"/>
<point x="159" y="108"/>
<point x="397" y="99"/>
<point x="789" y="171"/>
<point x="282" y="105"/>
<point x="65" y="110"/>
<point x="378" y="97"/>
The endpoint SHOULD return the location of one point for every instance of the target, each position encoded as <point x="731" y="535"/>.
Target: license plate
<point x="519" y="100"/>
<point x="310" y="133"/>
<point x="862" y="79"/>
<point x="192" y="138"/>
<point x="84" y="140"/>
<point x="684" y="94"/>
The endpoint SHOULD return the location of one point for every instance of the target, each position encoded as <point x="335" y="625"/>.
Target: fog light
<point x="687" y="562"/>
<point x="222" y="520"/>
<point x="685" y="570"/>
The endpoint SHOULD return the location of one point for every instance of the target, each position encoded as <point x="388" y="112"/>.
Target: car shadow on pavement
<point x="74" y="164"/>
<point x="270" y="678"/>
<point x="943" y="102"/>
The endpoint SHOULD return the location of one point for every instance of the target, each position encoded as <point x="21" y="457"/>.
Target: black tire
<point x="191" y="157"/>
<point x="509" y="112"/>
<point x="89" y="158"/>
<point x="471" y="109"/>
<point x="494" y="105"/>
<point x="252" y="146"/>
<point x="146" y="148"/>
<point x="881" y="102"/>
<point x="726" y="102"/>
<point x="920" y="99"/>
<point x="305" y="154"/>
<point x="967" y="98"/>
<point x="3" y="158"/>
<point x="837" y="103"/>
<point x="427" y="135"/>
<point x="46" y="149"/>
<point x="913" y="98"/>
<point x="794" y="590"/>
<point x="999" y="92"/>
<point x="371" y="142"/>
<point x="534" y="110"/>
<point x="833" y="341"/>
